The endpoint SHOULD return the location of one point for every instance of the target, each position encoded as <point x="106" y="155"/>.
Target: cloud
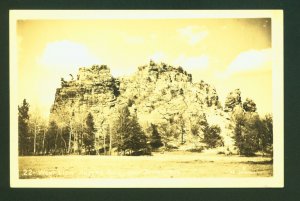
<point x="59" y="59"/>
<point x="194" y="34"/>
<point x="192" y="63"/>
<point x="251" y="60"/>
<point x="66" y="56"/>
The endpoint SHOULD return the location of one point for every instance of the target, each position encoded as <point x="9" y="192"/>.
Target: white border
<point x="277" y="46"/>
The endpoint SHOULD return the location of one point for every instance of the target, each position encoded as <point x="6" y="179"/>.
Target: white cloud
<point x="59" y="59"/>
<point x="192" y="63"/>
<point x="194" y="34"/>
<point x="66" y="56"/>
<point x="249" y="61"/>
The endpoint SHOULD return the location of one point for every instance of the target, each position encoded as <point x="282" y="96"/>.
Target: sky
<point x="226" y="53"/>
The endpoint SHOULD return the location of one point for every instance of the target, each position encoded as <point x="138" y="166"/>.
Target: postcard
<point x="146" y="98"/>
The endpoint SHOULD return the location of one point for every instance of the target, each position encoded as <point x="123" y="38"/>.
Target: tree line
<point x="67" y="134"/>
<point x="70" y="133"/>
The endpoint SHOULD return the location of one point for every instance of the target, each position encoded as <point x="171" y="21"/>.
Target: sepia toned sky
<point x="227" y="53"/>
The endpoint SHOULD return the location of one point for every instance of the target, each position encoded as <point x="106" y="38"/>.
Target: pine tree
<point x="137" y="140"/>
<point x="203" y="125"/>
<point x="212" y="136"/>
<point x="121" y="129"/>
<point x="155" y="137"/>
<point x="23" y="132"/>
<point x="51" y="138"/>
<point x="89" y="135"/>
<point x="129" y="136"/>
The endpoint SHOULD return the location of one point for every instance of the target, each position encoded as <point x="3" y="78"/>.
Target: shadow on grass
<point x="268" y="162"/>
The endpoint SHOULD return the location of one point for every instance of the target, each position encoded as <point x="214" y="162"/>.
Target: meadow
<point x="166" y="165"/>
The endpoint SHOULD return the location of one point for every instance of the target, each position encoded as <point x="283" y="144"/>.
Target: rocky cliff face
<point x="156" y="93"/>
<point x="94" y="90"/>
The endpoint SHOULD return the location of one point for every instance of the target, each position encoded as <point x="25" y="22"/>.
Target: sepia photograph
<point x="146" y="98"/>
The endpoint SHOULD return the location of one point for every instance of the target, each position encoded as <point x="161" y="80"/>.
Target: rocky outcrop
<point x="232" y="100"/>
<point x="157" y="93"/>
<point x="94" y="90"/>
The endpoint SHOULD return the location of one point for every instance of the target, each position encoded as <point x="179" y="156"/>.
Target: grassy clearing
<point x="167" y="165"/>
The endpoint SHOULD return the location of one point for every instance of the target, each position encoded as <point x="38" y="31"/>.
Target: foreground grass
<point x="167" y="165"/>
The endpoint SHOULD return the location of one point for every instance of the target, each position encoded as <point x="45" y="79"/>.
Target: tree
<point x="78" y="128"/>
<point x="51" y="138"/>
<point x="43" y="130"/>
<point x="155" y="140"/>
<point x="64" y="117"/>
<point x="128" y="134"/>
<point x="181" y="124"/>
<point x="121" y="129"/>
<point x="175" y="127"/>
<point x="252" y="133"/>
<point x="203" y="126"/>
<point x="103" y="140"/>
<point x="247" y="127"/>
<point x="266" y="137"/>
<point x="23" y="129"/>
<point x="195" y="129"/>
<point x="89" y="134"/>
<point x="71" y="125"/>
<point x="198" y="124"/>
<point x="212" y="136"/>
<point x="165" y="130"/>
<point x="135" y="139"/>
<point x="37" y="126"/>
<point x="61" y="140"/>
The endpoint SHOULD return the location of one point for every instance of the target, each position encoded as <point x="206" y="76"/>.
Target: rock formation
<point x="157" y="94"/>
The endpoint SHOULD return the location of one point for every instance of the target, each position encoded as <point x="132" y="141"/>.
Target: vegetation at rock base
<point x="158" y="108"/>
<point x="210" y="133"/>
<point x="251" y="133"/>
<point x="212" y="136"/>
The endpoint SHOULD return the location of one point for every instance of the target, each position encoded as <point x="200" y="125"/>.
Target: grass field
<point x="167" y="165"/>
